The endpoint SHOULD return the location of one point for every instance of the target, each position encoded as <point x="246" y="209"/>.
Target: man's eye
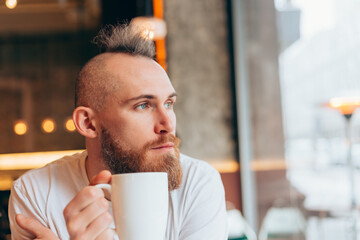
<point x="169" y="105"/>
<point x="142" y="106"/>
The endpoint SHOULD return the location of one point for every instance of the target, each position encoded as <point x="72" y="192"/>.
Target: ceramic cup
<point x="140" y="204"/>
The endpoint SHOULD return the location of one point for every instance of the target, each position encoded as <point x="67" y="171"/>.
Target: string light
<point x="11" y="4"/>
<point x="69" y="125"/>
<point x="20" y="127"/>
<point x="48" y="125"/>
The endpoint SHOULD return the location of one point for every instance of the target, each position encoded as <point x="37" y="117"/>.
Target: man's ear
<point x="86" y="122"/>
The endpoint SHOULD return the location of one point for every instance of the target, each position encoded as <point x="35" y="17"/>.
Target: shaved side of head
<point x="94" y="82"/>
<point x="92" y="85"/>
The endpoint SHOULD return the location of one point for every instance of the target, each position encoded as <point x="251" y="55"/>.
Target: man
<point x="125" y="110"/>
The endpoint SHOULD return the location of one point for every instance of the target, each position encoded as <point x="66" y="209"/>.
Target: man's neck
<point x="93" y="166"/>
<point x="94" y="162"/>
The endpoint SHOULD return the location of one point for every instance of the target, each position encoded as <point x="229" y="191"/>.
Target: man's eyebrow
<point x="148" y="96"/>
<point x="174" y="94"/>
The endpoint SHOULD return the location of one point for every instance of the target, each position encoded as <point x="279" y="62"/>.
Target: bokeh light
<point x="20" y="127"/>
<point x="11" y="4"/>
<point x="69" y="125"/>
<point x="48" y="125"/>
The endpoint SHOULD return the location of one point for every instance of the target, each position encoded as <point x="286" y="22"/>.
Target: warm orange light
<point x="11" y="4"/>
<point x="48" y="125"/>
<point x="29" y="160"/>
<point x="346" y="105"/>
<point x="69" y="125"/>
<point x="151" y="27"/>
<point x="148" y="34"/>
<point x="20" y="127"/>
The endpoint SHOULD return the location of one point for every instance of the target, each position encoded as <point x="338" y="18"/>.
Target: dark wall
<point x="47" y="66"/>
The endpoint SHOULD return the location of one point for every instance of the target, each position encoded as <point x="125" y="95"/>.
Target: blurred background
<point x="268" y="94"/>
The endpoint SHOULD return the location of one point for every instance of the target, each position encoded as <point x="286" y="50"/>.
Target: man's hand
<point x="87" y="215"/>
<point x="35" y="228"/>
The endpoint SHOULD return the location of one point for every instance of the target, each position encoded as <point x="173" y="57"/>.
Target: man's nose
<point x="165" y="122"/>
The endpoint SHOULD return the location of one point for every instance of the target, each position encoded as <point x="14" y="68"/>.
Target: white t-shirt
<point x="196" y="209"/>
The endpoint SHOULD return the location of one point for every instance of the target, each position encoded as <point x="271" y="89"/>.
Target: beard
<point x="119" y="159"/>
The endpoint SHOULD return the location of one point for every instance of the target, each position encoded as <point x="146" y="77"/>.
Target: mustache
<point x="162" y="140"/>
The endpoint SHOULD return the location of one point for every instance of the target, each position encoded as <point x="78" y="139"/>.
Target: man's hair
<point x="94" y="83"/>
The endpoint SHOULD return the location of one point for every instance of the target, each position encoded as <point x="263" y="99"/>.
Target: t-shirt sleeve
<point x="20" y="202"/>
<point x="205" y="216"/>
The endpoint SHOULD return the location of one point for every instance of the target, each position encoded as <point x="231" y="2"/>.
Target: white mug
<point x="140" y="204"/>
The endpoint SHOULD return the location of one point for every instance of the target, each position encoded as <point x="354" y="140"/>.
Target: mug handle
<point x="107" y="193"/>
<point x="106" y="189"/>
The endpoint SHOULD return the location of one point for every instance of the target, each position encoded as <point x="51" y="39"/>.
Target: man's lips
<point x="164" y="146"/>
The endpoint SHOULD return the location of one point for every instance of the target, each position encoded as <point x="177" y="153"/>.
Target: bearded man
<point x="125" y="109"/>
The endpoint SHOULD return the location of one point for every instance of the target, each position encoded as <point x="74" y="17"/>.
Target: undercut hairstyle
<point x="93" y="83"/>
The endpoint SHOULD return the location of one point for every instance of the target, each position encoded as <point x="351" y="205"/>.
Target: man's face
<point x="138" y="121"/>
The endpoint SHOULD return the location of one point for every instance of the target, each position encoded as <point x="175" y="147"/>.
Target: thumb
<point x="31" y="225"/>
<point x="102" y="177"/>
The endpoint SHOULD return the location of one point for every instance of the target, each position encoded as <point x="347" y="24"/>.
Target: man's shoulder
<point x="201" y="185"/>
<point x="41" y="176"/>
<point x="68" y="161"/>
<point x="193" y="164"/>
<point x="197" y="173"/>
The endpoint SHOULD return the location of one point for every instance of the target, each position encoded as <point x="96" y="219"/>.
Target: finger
<point x="108" y="234"/>
<point x="102" y="177"/>
<point x="79" y="223"/>
<point x="31" y="225"/>
<point x="99" y="228"/>
<point x="85" y="197"/>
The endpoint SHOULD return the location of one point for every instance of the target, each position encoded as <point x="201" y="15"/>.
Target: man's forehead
<point x="153" y="92"/>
